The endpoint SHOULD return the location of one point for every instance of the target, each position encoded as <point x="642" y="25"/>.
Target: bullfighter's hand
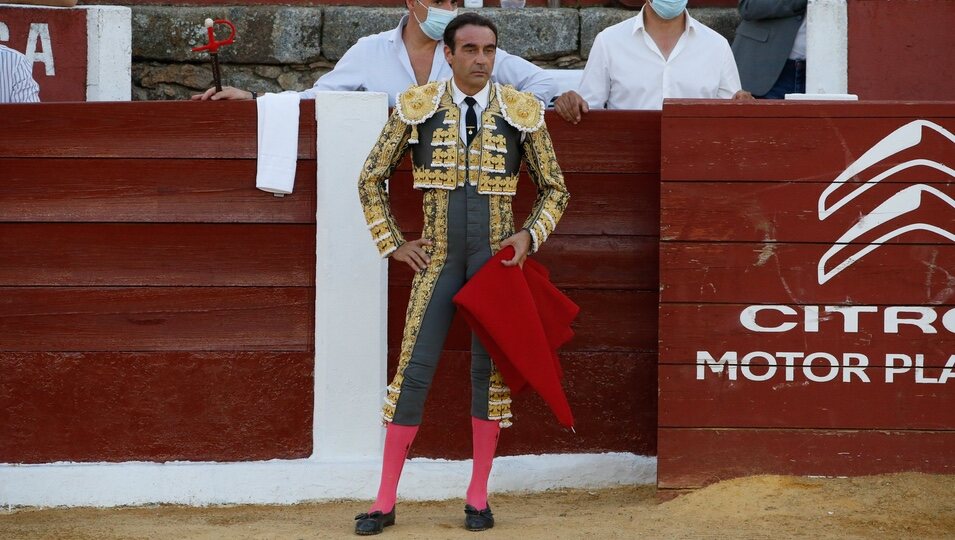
<point x="521" y="242"/>
<point x="413" y="254"/>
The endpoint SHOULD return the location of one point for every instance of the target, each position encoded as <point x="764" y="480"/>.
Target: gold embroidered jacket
<point x="425" y="120"/>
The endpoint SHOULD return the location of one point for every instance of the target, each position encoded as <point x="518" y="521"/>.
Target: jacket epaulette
<point x="418" y="103"/>
<point x="521" y="109"/>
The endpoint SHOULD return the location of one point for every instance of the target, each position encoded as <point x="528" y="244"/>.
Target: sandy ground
<point x="891" y="506"/>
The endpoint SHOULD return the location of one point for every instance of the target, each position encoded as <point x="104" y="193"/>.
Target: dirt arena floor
<point x="909" y="506"/>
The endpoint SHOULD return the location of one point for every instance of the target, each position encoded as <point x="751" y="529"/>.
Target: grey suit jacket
<point x="764" y="40"/>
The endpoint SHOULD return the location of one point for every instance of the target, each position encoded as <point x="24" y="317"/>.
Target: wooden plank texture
<point x="688" y="328"/>
<point x="911" y="67"/>
<point x="95" y="254"/>
<point x="609" y="320"/>
<point x="696" y="457"/>
<point x="149" y="190"/>
<point x="789" y="212"/>
<point x="83" y="319"/>
<point x="788" y="274"/>
<point x="142" y="129"/>
<point x="155" y="406"/>
<point x="612" y="395"/>
<point x="716" y="401"/>
<point x="798" y="148"/>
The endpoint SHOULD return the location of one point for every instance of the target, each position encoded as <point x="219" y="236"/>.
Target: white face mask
<point x="437" y="20"/>
<point x="668" y="9"/>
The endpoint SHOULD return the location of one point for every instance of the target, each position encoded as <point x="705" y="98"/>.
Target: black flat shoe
<point x="478" y="520"/>
<point x="373" y="523"/>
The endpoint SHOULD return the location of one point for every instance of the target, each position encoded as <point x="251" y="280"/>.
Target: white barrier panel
<point x="827" y="47"/>
<point x="110" y="53"/>
<point x="351" y="283"/>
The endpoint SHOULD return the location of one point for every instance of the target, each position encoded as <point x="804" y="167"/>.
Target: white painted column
<point x="351" y="284"/>
<point x="827" y="47"/>
<point x="109" y="52"/>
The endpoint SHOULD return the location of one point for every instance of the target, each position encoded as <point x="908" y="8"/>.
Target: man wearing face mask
<point x="660" y="53"/>
<point x="410" y="55"/>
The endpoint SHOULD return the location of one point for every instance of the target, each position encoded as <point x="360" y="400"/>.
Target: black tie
<point x="470" y="119"/>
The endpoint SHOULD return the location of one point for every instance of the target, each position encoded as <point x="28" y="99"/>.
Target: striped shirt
<point x="16" y="78"/>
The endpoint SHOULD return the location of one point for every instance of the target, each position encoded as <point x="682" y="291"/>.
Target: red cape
<point x="521" y="319"/>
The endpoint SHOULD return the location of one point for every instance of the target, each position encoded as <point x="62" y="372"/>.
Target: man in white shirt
<point x="410" y="55"/>
<point x="660" y="53"/>
<point x="16" y="78"/>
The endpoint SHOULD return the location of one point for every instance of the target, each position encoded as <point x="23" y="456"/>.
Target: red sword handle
<point x="213" y="47"/>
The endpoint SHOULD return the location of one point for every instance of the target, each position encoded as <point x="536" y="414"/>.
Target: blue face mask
<point x="436" y="21"/>
<point x="668" y="9"/>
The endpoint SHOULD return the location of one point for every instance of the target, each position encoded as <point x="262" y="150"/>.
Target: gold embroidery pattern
<point x="552" y="195"/>
<point x="492" y="178"/>
<point x="499" y="399"/>
<point x="445" y="154"/>
<point x="495" y="142"/>
<point x="418" y="103"/>
<point x="435" y="206"/>
<point x="440" y="178"/>
<point x="499" y="185"/>
<point x="444" y="137"/>
<point x="501" y="223"/>
<point x="444" y="158"/>
<point x="521" y="109"/>
<point x="372" y="184"/>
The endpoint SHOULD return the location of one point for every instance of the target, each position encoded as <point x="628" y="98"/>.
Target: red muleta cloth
<point x="521" y="319"/>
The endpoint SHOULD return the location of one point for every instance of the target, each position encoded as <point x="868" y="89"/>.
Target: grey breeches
<point x="468" y="249"/>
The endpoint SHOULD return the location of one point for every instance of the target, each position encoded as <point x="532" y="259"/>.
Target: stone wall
<point x="288" y="48"/>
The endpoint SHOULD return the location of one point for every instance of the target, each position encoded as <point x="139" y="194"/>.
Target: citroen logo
<point x="890" y="217"/>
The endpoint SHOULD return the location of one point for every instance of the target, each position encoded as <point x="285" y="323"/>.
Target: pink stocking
<point x="485" y="434"/>
<point x="398" y="441"/>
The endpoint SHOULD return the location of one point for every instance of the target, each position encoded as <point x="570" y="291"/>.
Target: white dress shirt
<point x="380" y="63"/>
<point x="799" y="44"/>
<point x="16" y="78"/>
<point x="481" y="98"/>
<point x="627" y="71"/>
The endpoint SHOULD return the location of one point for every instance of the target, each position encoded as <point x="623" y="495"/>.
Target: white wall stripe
<point x="292" y="481"/>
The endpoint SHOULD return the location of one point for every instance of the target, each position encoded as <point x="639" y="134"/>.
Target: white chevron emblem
<point x="893" y="209"/>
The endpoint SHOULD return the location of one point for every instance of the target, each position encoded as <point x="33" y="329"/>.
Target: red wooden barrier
<point x="155" y="305"/>
<point x="901" y="49"/>
<point x="828" y="369"/>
